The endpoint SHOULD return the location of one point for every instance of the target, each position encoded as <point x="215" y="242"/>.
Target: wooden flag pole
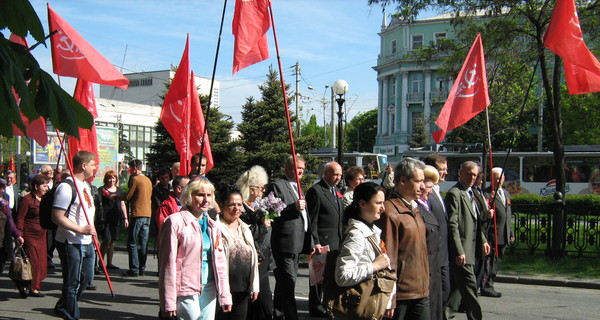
<point x="493" y="186"/>
<point x="285" y="101"/>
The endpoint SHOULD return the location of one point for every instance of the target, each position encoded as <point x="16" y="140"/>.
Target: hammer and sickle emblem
<point x="470" y="77"/>
<point x="173" y="113"/>
<point x="65" y="44"/>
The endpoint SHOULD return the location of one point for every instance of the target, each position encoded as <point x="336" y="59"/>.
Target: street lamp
<point x="340" y="87"/>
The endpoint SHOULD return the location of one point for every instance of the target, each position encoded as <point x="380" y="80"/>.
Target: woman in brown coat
<point x="28" y="222"/>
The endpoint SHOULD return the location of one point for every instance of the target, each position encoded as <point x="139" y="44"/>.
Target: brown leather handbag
<point x="20" y="267"/>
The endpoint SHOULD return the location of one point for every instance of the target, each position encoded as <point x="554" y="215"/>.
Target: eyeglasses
<point x="259" y="188"/>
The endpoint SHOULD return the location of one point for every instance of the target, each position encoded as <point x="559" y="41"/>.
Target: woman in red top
<point x="28" y="222"/>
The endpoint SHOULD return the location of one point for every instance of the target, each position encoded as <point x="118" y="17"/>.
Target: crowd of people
<point x="216" y="248"/>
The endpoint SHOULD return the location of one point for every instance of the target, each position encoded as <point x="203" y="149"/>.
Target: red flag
<point x="72" y="56"/>
<point x="197" y="124"/>
<point x="564" y="37"/>
<point x="88" y="140"/>
<point x="175" y="111"/>
<point x="469" y="94"/>
<point x="11" y="164"/>
<point x="35" y="129"/>
<point x="251" y="21"/>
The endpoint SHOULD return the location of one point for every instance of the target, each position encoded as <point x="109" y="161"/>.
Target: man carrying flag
<point x="469" y="94"/>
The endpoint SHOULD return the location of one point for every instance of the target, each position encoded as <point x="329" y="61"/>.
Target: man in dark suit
<point x="324" y="203"/>
<point x="437" y="207"/>
<point x="289" y="232"/>
<point x="467" y="241"/>
<point x="503" y="213"/>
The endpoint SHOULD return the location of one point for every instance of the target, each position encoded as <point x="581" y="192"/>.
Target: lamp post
<point x="340" y="87"/>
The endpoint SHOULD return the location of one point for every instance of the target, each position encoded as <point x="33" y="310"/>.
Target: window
<point x="146" y="82"/>
<point x="417" y="81"/>
<point x="437" y="36"/>
<point x="394" y="48"/>
<point x="134" y="83"/>
<point x="416" y="116"/>
<point x="538" y="169"/>
<point x="417" y="41"/>
<point x="440" y="84"/>
<point x="393" y="86"/>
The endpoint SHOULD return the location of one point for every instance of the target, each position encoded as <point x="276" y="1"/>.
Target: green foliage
<point x="162" y="151"/>
<point x="41" y="96"/>
<point x="419" y="136"/>
<point x="588" y="204"/>
<point x="361" y="131"/>
<point x="569" y="267"/>
<point x="264" y="129"/>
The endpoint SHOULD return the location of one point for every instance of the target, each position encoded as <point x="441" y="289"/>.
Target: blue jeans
<point x="77" y="262"/>
<point x="137" y="244"/>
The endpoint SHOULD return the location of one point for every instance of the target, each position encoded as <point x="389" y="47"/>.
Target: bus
<point x="372" y="163"/>
<point x="531" y="172"/>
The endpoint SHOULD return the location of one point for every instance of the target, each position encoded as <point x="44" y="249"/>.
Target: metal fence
<point x="547" y="229"/>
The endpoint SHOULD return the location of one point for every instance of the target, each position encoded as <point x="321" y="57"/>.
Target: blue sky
<point x="333" y="39"/>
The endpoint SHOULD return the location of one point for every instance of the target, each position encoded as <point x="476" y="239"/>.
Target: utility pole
<point x="333" y="145"/>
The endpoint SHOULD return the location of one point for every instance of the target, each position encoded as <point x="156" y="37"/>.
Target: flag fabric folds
<point x="73" y="56"/>
<point x="251" y="21"/>
<point x="197" y="124"/>
<point x="35" y="129"/>
<point x="564" y="37"/>
<point x="469" y="94"/>
<point x="175" y="111"/>
<point x="88" y="140"/>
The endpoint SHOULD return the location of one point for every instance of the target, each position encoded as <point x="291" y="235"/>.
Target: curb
<point x="548" y="282"/>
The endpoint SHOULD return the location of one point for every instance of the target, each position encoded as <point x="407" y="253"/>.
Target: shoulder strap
<point x="73" y="193"/>
<point x="375" y="245"/>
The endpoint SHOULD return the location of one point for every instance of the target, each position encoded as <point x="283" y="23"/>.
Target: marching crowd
<point x="216" y="248"/>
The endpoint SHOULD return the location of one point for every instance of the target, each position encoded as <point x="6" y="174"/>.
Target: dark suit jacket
<point x="503" y="219"/>
<point x="288" y="234"/>
<point x="437" y="208"/>
<point x="325" y="212"/>
<point x="432" y="233"/>
<point x="465" y="231"/>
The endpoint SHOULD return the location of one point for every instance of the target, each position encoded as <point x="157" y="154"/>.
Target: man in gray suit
<point x="287" y="239"/>
<point x="505" y="234"/>
<point x="324" y="203"/>
<point x="467" y="241"/>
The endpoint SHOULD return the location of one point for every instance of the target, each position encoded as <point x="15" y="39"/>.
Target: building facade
<point x="149" y="87"/>
<point x="410" y="89"/>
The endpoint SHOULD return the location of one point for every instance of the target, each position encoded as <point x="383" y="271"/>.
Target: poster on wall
<point x="48" y="154"/>
<point x="108" y="150"/>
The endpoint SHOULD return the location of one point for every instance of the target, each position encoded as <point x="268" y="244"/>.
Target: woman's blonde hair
<point x="431" y="173"/>
<point x="186" y="194"/>
<point x="252" y="177"/>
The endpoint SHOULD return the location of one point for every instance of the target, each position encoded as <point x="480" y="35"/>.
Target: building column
<point x="380" y="107"/>
<point x="403" y="119"/>
<point x="385" y="106"/>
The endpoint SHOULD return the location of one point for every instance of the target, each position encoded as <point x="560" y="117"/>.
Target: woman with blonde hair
<point x="434" y="242"/>
<point x="252" y="187"/>
<point x="192" y="264"/>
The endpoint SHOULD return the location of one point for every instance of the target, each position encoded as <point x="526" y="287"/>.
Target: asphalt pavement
<point x="530" y="297"/>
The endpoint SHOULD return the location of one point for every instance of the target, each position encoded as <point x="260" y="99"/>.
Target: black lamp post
<point x="340" y="87"/>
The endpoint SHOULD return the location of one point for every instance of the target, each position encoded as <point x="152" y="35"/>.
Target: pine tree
<point x="418" y="137"/>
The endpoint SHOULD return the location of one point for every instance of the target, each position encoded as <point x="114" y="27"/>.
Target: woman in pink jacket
<point x="192" y="262"/>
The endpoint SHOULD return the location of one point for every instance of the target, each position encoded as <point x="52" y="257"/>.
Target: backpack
<point x="47" y="205"/>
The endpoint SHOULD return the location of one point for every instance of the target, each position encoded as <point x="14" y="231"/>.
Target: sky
<point x="331" y="40"/>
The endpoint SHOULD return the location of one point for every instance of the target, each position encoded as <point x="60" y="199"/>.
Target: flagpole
<point x="285" y="102"/>
<point x="212" y="83"/>
<point x="87" y="217"/>
<point x="492" y="186"/>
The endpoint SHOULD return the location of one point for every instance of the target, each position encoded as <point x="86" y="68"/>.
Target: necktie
<point x="423" y="204"/>
<point x="335" y="197"/>
<point x="501" y="197"/>
<point x="472" y="197"/>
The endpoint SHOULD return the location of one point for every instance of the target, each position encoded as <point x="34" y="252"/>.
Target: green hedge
<point x="588" y="204"/>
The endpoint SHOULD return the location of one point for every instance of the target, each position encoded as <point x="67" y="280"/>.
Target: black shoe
<point x="112" y="267"/>
<point x="22" y="292"/>
<point x="92" y="287"/>
<point x="319" y="312"/>
<point x="141" y="272"/>
<point x="36" y="294"/>
<point x="51" y="265"/>
<point x="130" y="273"/>
<point x="490" y="292"/>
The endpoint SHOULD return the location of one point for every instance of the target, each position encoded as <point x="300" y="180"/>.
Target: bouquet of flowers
<point x="271" y="206"/>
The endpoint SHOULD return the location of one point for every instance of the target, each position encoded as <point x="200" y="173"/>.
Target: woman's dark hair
<point x="39" y="180"/>
<point x="226" y="192"/>
<point x="364" y="191"/>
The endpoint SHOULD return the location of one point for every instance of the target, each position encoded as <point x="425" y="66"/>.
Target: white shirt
<point x="62" y="198"/>
<point x="10" y="190"/>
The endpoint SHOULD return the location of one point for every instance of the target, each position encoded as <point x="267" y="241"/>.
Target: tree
<point x="418" y="137"/>
<point x="39" y="94"/>
<point x="124" y="145"/>
<point x="361" y="131"/>
<point x="162" y="150"/>
<point x="264" y="129"/>
<point x="513" y="36"/>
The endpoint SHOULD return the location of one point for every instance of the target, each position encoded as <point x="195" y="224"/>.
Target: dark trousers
<point x="445" y="283"/>
<point x="414" y="309"/>
<point x="284" y="300"/>
<point x="239" y="309"/>
<point x="491" y="266"/>
<point x="464" y="285"/>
